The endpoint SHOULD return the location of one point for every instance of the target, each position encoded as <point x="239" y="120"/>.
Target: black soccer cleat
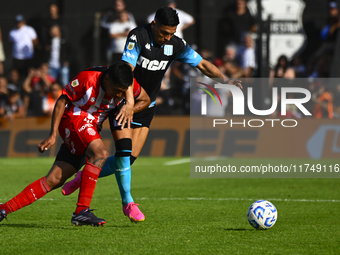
<point x="86" y="217"/>
<point x="3" y="215"/>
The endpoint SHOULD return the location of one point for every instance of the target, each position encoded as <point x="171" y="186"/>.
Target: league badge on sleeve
<point x="168" y="49"/>
<point x="75" y="83"/>
<point x="131" y="46"/>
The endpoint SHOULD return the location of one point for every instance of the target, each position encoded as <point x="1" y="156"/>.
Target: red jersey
<point x="89" y="99"/>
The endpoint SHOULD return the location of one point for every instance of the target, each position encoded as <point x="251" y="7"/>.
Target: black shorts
<point x="64" y="154"/>
<point x="144" y="118"/>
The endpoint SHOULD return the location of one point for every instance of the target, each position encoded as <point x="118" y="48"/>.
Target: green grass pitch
<point x="183" y="215"/>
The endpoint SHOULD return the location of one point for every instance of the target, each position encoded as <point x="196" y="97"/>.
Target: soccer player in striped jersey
<point x="78" y="115"/>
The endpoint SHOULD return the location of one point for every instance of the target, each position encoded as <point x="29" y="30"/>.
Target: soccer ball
<point x="262" y="214"/>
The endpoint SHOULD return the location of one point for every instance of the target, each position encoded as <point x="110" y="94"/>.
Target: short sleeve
<point x="132" y="49"/>
<point x="74" y="90"/>
<point x="33" y="34"/>
<point x="189" y="56"/>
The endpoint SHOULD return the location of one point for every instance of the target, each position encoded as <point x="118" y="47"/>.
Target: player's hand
<point x="237" y="83"/>
<point x="46" y="144"/>
<point x="125" y="115"/>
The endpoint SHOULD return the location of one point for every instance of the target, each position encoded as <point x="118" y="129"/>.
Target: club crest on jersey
<point x="131" y="46"/>
<point x="93" y="99"/>
<point x="75" y="83"/>
<point x="168" y="49"/>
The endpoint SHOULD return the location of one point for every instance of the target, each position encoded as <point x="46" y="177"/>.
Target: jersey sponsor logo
<point x="75" y="83"/>
<point x="91" y="131"/>
<point x="133" y="38"/>
<point x="88" y="125"/>
<point x="131" y="46"/>
<point x="152" y="65"/>
<point x="168" y="50"/>
<point x="147" y="46"/>
<point x="93" y="99"/>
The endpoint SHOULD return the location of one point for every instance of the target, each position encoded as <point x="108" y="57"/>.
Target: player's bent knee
<point x="54" y="181"/>
<point x="99" y="158"/>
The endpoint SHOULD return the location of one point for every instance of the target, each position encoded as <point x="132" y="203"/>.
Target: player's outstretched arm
<point x="58" y="112"/>
<point x="212" y="71"/>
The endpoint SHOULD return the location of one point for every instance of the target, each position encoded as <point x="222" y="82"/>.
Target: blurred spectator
<point x="336" y="101"/>
<point x="281" y="70"/>
<point x="230" y="53"/>
<point x="51" y="98"/>
<point x="14" y="107"/>
<point x="247" y="56"/>
<point x="51" y="20"/>
<point x="2" y="55"/>
<point x="330" y="31"/>
<point x="232" y="68"/>
<point x="38" y="78"/>
<point x="59" y="55"/>
<point x="36" y="85"/>
<point x="299" y="68"/>
<point x="323" y="100"/>
<point x="235" y="21"/>
<point x="23" y="38"/>
<point x="113" y="14"/>
<point x="321" y="66"/>
<point x="119" y="30"/>
<point x="14" y="79"/>
<point x="3" y="95"/>
<point x="108" y="17"/>
<point x="185" y="19"/>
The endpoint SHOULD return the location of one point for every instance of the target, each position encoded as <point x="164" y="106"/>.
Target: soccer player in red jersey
<point x="78" y="115"/>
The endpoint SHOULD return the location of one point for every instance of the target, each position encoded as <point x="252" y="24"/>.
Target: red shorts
<point x="78" y="132"/>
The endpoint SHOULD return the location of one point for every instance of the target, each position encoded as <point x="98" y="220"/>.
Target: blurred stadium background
<point x="295" y="30"/>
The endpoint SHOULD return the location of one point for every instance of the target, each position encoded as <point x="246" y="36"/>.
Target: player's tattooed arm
<point x="58" y="112"/>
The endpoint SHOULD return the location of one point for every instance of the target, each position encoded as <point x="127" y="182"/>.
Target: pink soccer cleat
<point x="132" y="211"/>
<point x="72" y="186"/>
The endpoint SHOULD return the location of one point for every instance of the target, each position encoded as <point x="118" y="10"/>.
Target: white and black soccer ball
<point x="262" y="214"/>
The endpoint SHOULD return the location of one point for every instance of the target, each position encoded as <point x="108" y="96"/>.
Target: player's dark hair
<point x="167" y="16"/>
<point x="121" y="74"/>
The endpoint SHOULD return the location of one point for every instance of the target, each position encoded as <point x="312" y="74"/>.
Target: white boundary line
<point x="204" y="199"/>
<point x="177" y="162"/>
